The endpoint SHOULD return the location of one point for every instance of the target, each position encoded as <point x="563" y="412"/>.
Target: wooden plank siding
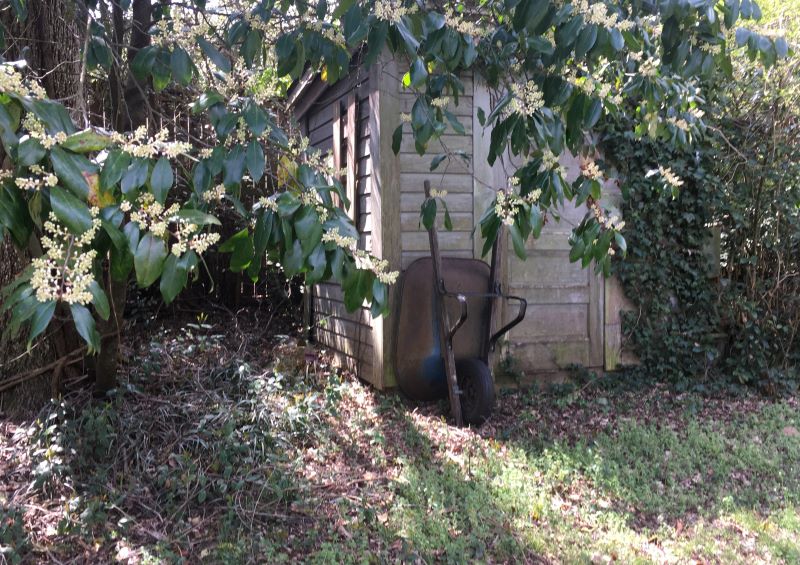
<point x="454" y="176"/>
<point x="347" y="334"/>
<point x="572" y="314"/>
<point x="564" y="324"/>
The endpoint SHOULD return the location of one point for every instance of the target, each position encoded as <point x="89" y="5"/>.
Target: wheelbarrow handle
<point x="462" y="300"/>
<point x="462" y="317"/>
<point x="523" y="306"/>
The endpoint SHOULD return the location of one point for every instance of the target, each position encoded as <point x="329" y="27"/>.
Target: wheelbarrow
<point x="435" y="357"/>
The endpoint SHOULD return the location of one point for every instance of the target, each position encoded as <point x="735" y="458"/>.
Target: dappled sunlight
<point x="296" y="461"/>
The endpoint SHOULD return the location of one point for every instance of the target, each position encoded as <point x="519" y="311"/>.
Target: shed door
<point x="564" y="322"/>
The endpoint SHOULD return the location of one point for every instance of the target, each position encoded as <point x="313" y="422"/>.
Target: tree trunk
<point x="30" y="395"/>
<point x="50" y="41"/>
<point x="129" y="113"/>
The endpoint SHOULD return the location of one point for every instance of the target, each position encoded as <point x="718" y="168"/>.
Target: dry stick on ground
<point x="58" y="366"/>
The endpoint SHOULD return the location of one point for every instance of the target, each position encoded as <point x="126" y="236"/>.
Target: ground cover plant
<point x="212" y="452"/>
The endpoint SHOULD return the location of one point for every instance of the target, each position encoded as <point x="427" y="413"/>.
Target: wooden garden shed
<point x="573" y="315"/>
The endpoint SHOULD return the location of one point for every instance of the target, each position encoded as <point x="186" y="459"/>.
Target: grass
<point x="210" y="453"/>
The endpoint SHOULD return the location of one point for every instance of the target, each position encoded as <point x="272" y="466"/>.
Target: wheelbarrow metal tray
<point x="419" y="367"/>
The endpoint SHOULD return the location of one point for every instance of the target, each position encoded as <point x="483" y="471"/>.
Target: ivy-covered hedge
<point x="667" y="272"/>
<point x="714" y="268"/>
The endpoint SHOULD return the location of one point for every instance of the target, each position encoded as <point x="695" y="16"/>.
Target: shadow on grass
<point x="446" y="508"/>
<point x="239" y="467"/>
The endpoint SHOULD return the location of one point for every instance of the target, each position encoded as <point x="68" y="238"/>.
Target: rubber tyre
<point x="477" y="386"/>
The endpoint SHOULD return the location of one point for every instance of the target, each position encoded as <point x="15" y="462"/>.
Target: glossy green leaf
<point x="71" y="170"/>
<point x="197" y="217"/>
<point x="293" y="259"/>
<point x="397" y="139"/>
<point x="255" y="160"/>
<point x="181" y="65"/>
<point x="30" y="152"/>
<point x="161" y="179"/>
<point x="115" y="165"/>
<point x="84" y="323"/>
<point x="149" y="259"/>
<point x="428" y="213"/>
<point x="71" y="211"/>
<point x="234" y="167"/>
<point x="214" y="54"/>
<point x="100" y="300"/>
<point x="240" y="246"/>
<point x="309" y="229"/>
<point x="41" y="319"/>
<point x="173" y="279"/>
<point x="135" y="176"/>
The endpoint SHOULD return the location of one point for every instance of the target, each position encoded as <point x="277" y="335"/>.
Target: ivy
<point x="673" y="328"/>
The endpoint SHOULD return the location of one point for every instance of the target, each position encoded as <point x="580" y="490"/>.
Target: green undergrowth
<point x="247" y="464"/>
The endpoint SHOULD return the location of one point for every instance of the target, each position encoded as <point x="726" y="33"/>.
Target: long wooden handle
<point x="445" y="344"/>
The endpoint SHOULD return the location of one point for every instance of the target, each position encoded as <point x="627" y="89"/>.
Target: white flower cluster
<point x="332" y="34"/>
<point x="215" y="194"/>
<point x="711" y="48"/>
<point x="35" y="129"/>
<point x="345" y="242"/>
<point x="506" y="205"/>
<point x="458" y="23"/>
<point x="138" y="144"/>
<point x="549" y="160"/>
<point x="669" y="177"/>
<point x="696" y="113"/>
<point x="300" y="151"/>
<point x="312" y="198"/>
<point x="364" y="261"/>
<point x="12" y="81"/>
<point x="64" y="272"/>
<point x="649" y="67"/>
<point x="527" y="99"/>
<point x="590" y="170"/>
<point x="392" y="10"/>
<point x="440" y="102"/>
<point x="188" y="238"/>
<point x="179" y="30"/>
<point x="679" y="123"/>
<point x="436" y="193"/>
<point x="591" y="85"/>
<point x="40" y="179"/>
<point x="379" y="267"/>
<point x="533" y="196"/>
<point x="152" y="215"/>
<point x="597" y="13"/>
<point x="612" y="222"/>
<point x="268" y="203"/>
<point x="155" y="217"/>
<point x="199" y="243"/>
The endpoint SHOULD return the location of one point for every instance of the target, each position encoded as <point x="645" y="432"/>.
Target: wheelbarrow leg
<point x="446" y="342"/>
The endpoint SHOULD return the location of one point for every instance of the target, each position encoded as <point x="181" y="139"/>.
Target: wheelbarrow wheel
<point x="477" y="390"/>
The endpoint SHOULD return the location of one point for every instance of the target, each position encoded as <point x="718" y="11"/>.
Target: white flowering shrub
<point x="102" y="202"/>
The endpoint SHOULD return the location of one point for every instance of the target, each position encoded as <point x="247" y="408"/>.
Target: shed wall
<point x="454" y="176"/>
<point x="348" y="334"/>
<point x="567" y="323"/>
